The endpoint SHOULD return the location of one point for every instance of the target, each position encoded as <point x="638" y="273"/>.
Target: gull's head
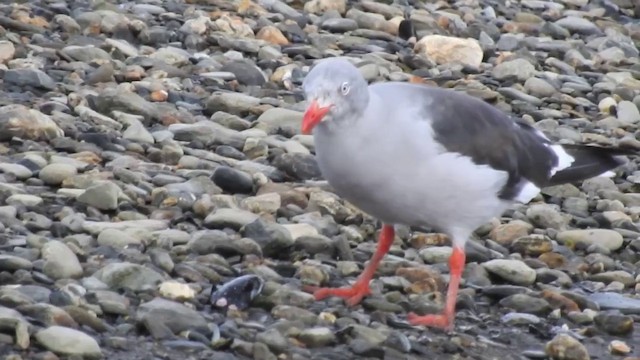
<point x="334" y="89"/>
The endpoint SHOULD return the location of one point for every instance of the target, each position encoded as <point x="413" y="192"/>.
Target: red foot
<point x="352" y="295"/>
<point x="441" y="321"/>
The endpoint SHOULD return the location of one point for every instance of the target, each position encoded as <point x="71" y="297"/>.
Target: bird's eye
<point x="344" y="88"/>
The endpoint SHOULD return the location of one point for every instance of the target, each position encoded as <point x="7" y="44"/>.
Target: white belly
<point x="412" y="184"/>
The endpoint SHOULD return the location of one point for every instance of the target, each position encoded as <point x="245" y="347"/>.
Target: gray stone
<point x="55" y="174"/>
<point x="175" y="316"/>
<point x="521" y="69"/>
<point x="227" y="217"/>
<point x="138" y="133"/>
<point x="66" y="341"/>
<point x="60" y="261"/>
<point x="29" y="77"/>
<point x="278" y="120"/>
<point x="117" y="238"/>
<point x="628" y="112"/>
<point x="317" y="337"/>
<point x="21" y="172"/>
<point x="103" y="195"/>
<point x="513" y="271"/>
<point x="539" y="87"/>
<point x="128" y="276"/>
<point x="609" y="239"/>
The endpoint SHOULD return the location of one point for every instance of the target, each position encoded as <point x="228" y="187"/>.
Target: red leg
<point x="446" y="319"/>
<point x="360" y="289"/>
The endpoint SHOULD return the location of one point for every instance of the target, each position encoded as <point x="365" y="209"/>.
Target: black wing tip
<point x="590" y="161"/>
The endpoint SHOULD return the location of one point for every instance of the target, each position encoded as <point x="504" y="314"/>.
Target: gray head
<point x="336" y="92"/>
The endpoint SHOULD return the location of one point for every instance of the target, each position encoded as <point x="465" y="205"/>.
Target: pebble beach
<point x="160" y="202"/>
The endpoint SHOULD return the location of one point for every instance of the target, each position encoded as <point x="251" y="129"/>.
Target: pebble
<point x="103" y="196"/>
<point x="566" y="347"/>
<point x="519" y="69"/>
<point x="448" y="50"/>
<point x="69" y="342"/>
<point x="55" y="174"/>
<point x="609" y="239"/>
<point x="513" y="271"/>
<point x="60" y="261"/>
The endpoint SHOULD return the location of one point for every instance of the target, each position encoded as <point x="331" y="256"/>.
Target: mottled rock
<point x="514" y="271"/>
<point x="566" y="347"/>
<point x="69" y="342"/>
<point x="448" y="50"/>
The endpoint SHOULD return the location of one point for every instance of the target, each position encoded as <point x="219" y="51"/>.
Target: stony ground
<point x="150" y="150"/>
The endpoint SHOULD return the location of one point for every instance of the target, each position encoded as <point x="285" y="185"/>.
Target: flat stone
<point x="448" y="50"/>
<point x="513" y="271"/>
<point x="60" y="261"/>
<point x="103" y="196"/>
<point x="609" y="239"/>
<point x="65" y="341"/>
<point x="128" y="276"/>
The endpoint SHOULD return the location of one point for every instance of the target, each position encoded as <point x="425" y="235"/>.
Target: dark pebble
<point x="232" y="180"/>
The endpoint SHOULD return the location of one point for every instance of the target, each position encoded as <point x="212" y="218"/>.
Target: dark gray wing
<point x="473" y="128"/>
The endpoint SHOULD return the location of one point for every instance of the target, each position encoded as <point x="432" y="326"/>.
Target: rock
<point x="128" y="276"/>
<point x="628" y="113"/>
<point x="532" y="245"/>
<point x="448" y="50"/>
<point x="12" y="321"/>
<point x="322" y="6"/>
<point x="505" y="234"/>
<point x="614" y="301"/>
<point x="232" y="180"/>
<point x="19" y="121"/>
<point x="7" y="51"/>
<point x="274" y="239"/>
<point x="265" y="203"/>
<point x="539" y="87"/>
<point x="116" y="238"/>
<point x="614" y="323"/>
<point x="279" y="120"/>
<point x="272" y="35"/>
<point x="103" y="196"/>
<point x="69" y="342"/>
<point x="19" y="171"/>
<point x="317" y="337"/>
<point x="233" y="218"/>
<point x="171" y="56"/>
<point x="514" y="271"/>
<point x="436" y="254"/>
<point x="617" y="347"/>
<point x="138" y="133"/>
<point x="60" y="261"/>
<point x="298" y="166"/>
<point x="233" y="103"/>
<point x="565" y="347"/>
<point x="246" y="72"/>
<point x="128" y="102"/>
<point x="85" y="54"/>
<point x="520" y="69"/>
<point x="12" y="263"/>
<point x="546" y="216"/>
<point x="609" y="239"/>
<point x="55" y="174"/>
<point x="172" y="315"/>
<point x="274" y="340"/>
<point x="526" y="304"/>
<point x="174" y="290"/>
<point x="29" y="77"/>
<point x="578" y="25"/>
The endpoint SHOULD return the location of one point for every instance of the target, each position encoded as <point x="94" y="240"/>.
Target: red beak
<point x="313" y="116"/>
